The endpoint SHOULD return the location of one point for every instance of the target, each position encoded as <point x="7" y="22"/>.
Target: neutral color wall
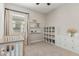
<point x="63" y="18"/>
<point x="1" y="21"/>
<point x="32" y="15"/>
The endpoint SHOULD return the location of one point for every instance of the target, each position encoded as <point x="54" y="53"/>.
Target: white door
<point x="69" y="43"/>
<point x="76" y="44"/>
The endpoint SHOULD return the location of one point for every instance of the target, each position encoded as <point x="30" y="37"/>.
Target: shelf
<point x="35" y="33"/>
<point x="49" y="34"/>
<point x="35" y="27"/>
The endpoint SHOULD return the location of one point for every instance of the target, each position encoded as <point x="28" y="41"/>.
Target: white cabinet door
<point x="76" y="41"/>
<point x="76" y="44"/>
<point x="58" y="41"/>
<point x="69" y="44"/>
<point x="63" y="40"/>
<point x="35" y="37"/>
<point x="76" y="48"/>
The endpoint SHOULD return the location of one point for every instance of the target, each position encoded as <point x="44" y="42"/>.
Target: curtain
<point x="7" y="23"/>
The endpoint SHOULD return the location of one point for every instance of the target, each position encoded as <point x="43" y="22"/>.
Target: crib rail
<point x="12" y="38"/>
<point x="12" y="46"/>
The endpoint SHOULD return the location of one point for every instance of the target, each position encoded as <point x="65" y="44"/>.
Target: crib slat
<point x="13" y="42"/>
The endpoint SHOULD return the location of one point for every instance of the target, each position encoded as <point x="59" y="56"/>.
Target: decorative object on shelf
<point x="34" y="24"/>
<point x="72" y="31"/>
<point x="34" y="27"/>
<point x="38" y="25"/>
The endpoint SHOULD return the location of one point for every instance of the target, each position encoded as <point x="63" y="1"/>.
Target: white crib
<point x="12" y="46"/>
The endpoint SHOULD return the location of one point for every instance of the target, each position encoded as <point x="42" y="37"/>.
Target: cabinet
<point x="69" y="43"/>
<point x="76" y="44"/>
<point x="35" y="37"/>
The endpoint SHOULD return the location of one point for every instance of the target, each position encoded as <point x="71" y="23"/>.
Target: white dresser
<point x="67" y="42"/>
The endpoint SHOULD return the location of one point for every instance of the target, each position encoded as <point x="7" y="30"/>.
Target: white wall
<point x="1" y="21"/>
<point x="32" y="15"/>
<point x="62" y="18"/>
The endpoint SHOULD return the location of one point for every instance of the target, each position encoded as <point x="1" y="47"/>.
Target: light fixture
<point x="46" y="4"/>
<point x="37" y="3"/>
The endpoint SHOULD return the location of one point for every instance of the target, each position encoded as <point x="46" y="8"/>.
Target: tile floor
<point x="45" y="49"/>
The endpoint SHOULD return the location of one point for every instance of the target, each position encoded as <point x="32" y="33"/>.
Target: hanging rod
<point x="16" y="11"/>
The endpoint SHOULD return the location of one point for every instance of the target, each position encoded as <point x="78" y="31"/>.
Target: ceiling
<point x="42" y="7"/>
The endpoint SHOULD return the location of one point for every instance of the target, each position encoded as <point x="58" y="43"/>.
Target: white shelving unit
<point x="49" y="34"/>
